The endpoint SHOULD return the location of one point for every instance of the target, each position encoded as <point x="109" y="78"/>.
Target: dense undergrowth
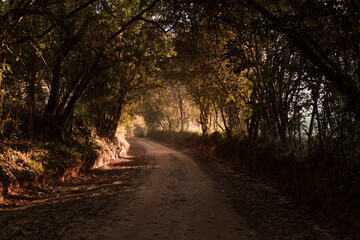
<point x="321" y="183"/>
<point x="25" y="164"/>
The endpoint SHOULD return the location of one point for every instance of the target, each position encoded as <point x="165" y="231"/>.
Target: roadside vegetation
<point x="323" y="188"/>
<point x="271" y="87"/>
<point x="27" y="164"/>
<point x="69" y="73"/>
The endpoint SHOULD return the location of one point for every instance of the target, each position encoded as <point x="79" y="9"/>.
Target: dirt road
<point x="160" y="193"/>
<point x="179" y="201"/>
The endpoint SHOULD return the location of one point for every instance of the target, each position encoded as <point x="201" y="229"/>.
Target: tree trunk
<point x="299" y="133"/>
<point x="253" y="126"/>
<point x="51" y="108"/>
<point x="80" y="89"/>
<point x="2" y="90"/>
<point x="55" y="88"/>
<point x="31" y="96"/>
<point x="311" y="127"/>
<point x="181" y="109"/>
<point x="320" y="129"/>
<point x="203" y="121"/>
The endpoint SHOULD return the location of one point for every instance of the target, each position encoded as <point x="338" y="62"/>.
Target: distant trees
<point x="326" y="33"/>
<point x="284" y="72"/>
<point x="263" y="70"/>
<point x="310" y="62"/>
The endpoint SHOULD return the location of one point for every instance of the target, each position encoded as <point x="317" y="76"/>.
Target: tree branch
<point x="132" y="20"/>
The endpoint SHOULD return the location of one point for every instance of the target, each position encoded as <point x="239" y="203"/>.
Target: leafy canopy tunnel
<point x="286" y="72"/>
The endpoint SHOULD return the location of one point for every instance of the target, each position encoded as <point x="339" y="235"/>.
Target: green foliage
<point x="284" y="74"/>
<point x="4" y="68"/>
<point x="24" y="160"/>
<point x="280" y="81"/>
<point x="67" y="47"/>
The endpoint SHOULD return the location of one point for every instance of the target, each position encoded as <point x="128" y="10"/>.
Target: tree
<point x="131" y="71"/>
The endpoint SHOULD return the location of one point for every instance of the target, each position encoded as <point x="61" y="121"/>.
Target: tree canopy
<point x="282" y="70"/>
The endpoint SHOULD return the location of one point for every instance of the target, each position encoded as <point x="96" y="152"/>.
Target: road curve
<point x="178" y="201"/>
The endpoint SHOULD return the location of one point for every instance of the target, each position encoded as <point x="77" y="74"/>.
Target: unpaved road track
<point x="179" y="201"/>
<point x="160" y="193"/>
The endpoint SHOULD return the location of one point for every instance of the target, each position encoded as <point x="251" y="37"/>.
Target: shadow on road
<point x="73" y="202"/>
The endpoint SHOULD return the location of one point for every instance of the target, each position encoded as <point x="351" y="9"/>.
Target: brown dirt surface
<point x="270" y="213"/>
<point x="78" y="208"/>
<point x="159" y="193"/>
